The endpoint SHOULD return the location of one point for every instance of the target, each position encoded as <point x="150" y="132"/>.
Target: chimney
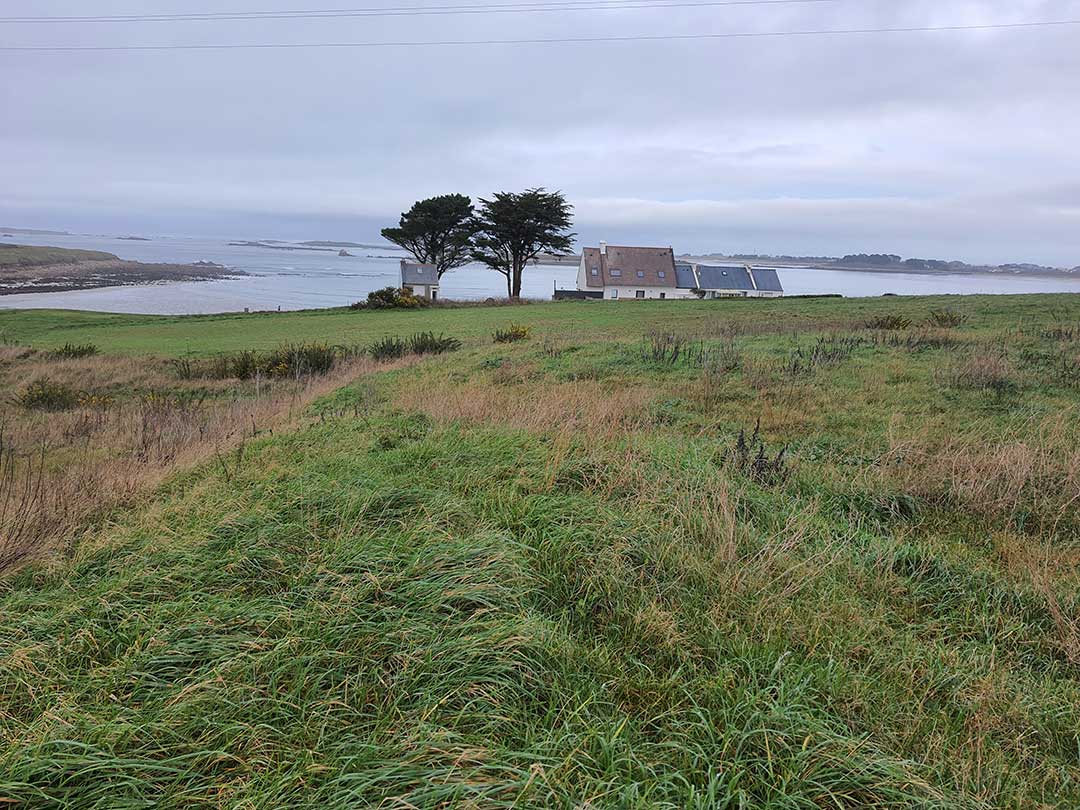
<point x="603" y="248"/>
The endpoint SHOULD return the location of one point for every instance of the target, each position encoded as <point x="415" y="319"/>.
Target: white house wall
<point x="630" y="293"/>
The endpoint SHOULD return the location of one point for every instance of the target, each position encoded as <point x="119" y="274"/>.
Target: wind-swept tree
<point x="437" y="231"/>
<point x="511" y="229"/>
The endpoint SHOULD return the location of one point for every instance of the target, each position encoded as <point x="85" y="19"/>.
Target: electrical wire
<point x="544" y="41"/>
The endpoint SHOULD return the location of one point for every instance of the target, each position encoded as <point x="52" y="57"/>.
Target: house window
<point x="614" y="293"/>
<point x="639" y="294"/>
<point x="616" y="272"/>
<point x="663" y="295"/>
<point x="641" y="274"/>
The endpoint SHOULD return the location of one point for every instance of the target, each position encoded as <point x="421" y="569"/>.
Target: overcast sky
<point x="944" y="145"/>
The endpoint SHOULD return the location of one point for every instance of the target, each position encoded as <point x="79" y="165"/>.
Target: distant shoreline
<point x="95" y="275"/>
<point x="33" y="269"/>
<point x="957" y="269"/>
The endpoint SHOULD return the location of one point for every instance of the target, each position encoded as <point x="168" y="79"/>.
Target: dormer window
<point x="661" y="273"/>
<point x="641" y="274"/>
<point x="596" y="271"/>
<point x="616" y="272"/>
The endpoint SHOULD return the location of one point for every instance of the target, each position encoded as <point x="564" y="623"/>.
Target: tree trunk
<point x="517" y="281"/>
<point x="509" y="286"/>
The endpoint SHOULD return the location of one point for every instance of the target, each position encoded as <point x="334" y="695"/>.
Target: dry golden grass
<point x="995" y="474"/>
<point x="983" y="368"/>
<point x="60" y="470"/>
<point x="516" y="401"/>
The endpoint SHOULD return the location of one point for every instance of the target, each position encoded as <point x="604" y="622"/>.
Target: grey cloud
<point x="957" y="145"/>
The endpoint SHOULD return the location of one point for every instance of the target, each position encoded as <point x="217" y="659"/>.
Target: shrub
<point x="298" y="359"/>
<point x="74" y="351"/>
<point x="392" y="348"/>
<point x="390" y="298"/>
<point x="428" y="343"/>
<point x="892" y="321"/>
<point x="389" y="348"/>
<point x="946" y="318"/>
<point x="46" y="395"/>
<point x="511" y="334"/>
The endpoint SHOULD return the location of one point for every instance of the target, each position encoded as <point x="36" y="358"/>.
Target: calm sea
<point x="307" y="279"/>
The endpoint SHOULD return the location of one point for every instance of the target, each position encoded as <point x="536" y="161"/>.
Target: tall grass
<point x="70" y="456"/>
<point x="518" y="578"/>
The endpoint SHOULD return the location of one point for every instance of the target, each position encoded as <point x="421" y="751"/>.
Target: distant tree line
<point x="892" y="260"/>
<point x="505" y="233"/>
<point x="871" y="259"/>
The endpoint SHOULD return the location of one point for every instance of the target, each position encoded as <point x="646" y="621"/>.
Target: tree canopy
<point x="438" y="231"/>
<point x="512" y="229"/>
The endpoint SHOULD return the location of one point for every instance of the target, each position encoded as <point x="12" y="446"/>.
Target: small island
<point x="33" y="269"/>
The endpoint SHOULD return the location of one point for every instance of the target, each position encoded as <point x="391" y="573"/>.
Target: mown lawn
<point x="805" y="563"/>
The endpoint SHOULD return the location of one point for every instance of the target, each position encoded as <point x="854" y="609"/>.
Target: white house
<point x="421" y="279"/>
<point x="619" y="273"/>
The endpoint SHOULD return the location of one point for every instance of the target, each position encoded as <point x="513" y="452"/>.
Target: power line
<point x="380" y="11"/>
<point x="588" y="5"/>
<point x="541" y="41"/>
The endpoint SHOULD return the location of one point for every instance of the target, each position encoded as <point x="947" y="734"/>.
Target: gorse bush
<point x="891" y="321"/>
<point x="74" y="351"/>
<point x="388" y="348"/>
<point x="390" y="298"/>
<point x="45" y="395"/>
<point x="511" y="333"/>
<point x="392" y="348"/>
<point x="946" y="318"/>
<point x="428" y="343"/>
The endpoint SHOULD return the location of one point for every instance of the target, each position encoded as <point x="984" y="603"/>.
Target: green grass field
<point x="175" y="335"/>
<point x="733" y="554"/>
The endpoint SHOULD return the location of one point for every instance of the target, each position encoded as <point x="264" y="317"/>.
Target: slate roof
<point x="684" y="276"/>
<point x="767" y="280"/>
<point x="724" y="278"/>
<point x="413" y="273"/>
